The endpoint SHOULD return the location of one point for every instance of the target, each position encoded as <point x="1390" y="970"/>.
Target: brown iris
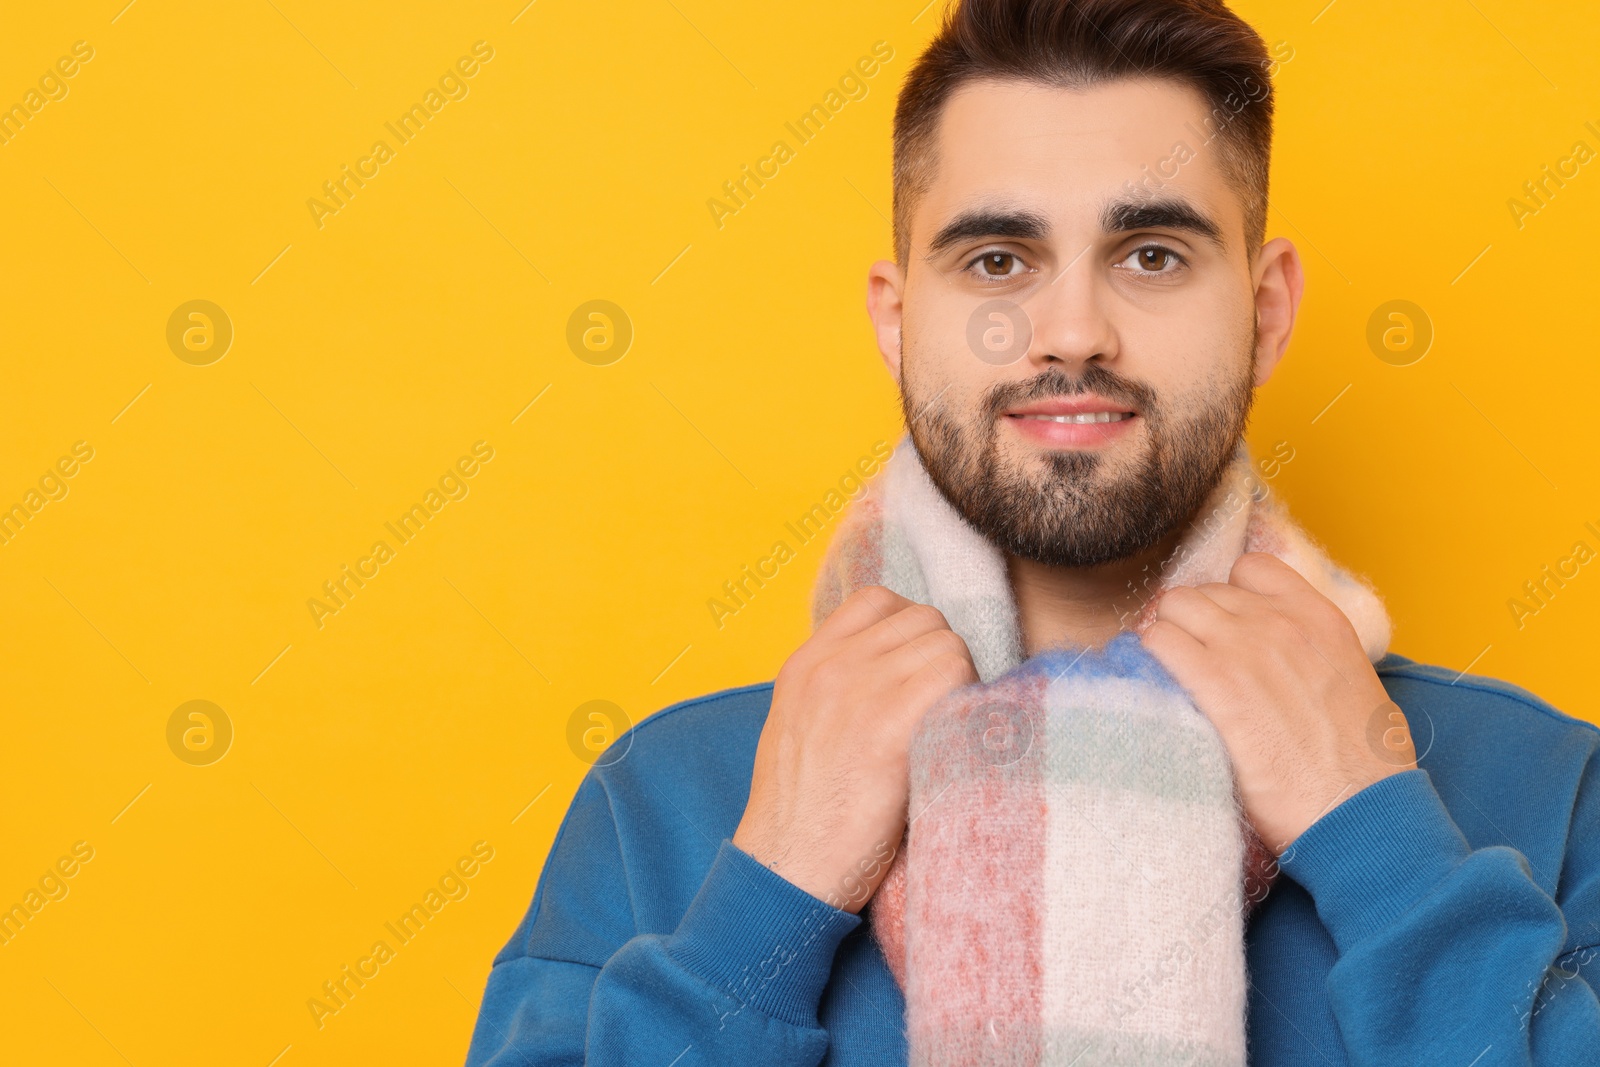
<point x="997" y="259"/>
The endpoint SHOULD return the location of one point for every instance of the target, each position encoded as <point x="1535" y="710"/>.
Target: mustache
<point x="1053" y="383"/>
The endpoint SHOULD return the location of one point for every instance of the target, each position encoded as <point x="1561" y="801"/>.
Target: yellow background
<point x="432" y="711"/>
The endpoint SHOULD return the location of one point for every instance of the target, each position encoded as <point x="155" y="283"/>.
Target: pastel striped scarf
<point x="1077" y="870"/>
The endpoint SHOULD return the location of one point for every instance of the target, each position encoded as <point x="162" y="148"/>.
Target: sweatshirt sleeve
<point x="737" y="981"/>
<point x="1449" y="954"/>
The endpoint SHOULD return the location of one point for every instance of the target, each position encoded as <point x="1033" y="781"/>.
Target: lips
<point x="1083" y="409"/>
<point x="1080" y="418"/>
<point x="1086" y="420"/>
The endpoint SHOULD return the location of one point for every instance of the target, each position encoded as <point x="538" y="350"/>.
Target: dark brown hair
<point x="1075" y="44"/>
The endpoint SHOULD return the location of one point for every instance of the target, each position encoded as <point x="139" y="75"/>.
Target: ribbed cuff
<point x="760" y="938"/>
<point x="1366" y="862"/>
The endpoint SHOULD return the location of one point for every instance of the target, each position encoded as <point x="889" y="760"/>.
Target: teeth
<point x="1094" y="416"/>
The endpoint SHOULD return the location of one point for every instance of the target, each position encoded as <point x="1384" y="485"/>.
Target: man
<point x="1094" y="173"/>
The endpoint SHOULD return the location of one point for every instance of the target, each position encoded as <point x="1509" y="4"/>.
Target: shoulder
<point x="1498" y="704"/>
<point x="727" y="717"/>
<point x="1510" y="768"/>
<point x="643" y="826"/>
<point x="684" y="770"/>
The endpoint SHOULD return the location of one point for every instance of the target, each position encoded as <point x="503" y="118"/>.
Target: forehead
<point x="1065" y="152"/>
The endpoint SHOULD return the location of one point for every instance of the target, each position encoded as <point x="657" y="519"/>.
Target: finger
<point x="899" y="628"/>
<point x="1190" y="609"/>
<point x="928" y="651"/>
<point x="1266" y="574"/>
<point x="1232" y="598"/>
<point x="1287" y="592"/>
<point x="936" y="680"/>
<point x="1179" y="651"/>
<point x="865" y="607"/>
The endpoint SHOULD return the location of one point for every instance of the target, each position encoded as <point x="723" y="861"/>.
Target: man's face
<point x="1080" y="251"/>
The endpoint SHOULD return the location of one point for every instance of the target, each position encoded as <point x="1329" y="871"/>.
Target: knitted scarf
<point x="1077" y="869"/>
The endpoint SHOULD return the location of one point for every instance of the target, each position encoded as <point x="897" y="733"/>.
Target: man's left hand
<point x="1280" y="671"/>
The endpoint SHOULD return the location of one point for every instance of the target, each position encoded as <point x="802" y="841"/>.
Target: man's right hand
<point x="827" y="805"/>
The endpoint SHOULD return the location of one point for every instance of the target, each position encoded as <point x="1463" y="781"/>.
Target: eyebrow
<point x="1168" y="213"/>
<point x="1118" y="216"/>
<point x="1010" y="223"/>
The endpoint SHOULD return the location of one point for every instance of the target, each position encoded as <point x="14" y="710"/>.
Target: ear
<point x="1279" y="281"/>
<point x="885" y="292"/>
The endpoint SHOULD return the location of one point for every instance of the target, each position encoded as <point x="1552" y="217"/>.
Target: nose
<point x="1070" y="319"/>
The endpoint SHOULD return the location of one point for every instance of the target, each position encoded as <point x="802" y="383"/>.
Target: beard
<point x="1059" y="507"/>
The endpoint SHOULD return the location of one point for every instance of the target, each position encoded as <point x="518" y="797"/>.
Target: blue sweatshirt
<point x="1448" y="914"/>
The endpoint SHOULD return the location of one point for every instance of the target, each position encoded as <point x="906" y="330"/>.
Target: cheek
<point x="937" y="372"/>
<point x="939" y="332"/>
<point x="1193" y="357"/>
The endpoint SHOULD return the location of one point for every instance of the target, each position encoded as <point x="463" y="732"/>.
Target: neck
<point x="1084" y="606"/>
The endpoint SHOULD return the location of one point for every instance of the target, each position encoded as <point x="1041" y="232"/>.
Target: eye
<point x="1154" y="259"/>
<point x="994" y="265"/>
